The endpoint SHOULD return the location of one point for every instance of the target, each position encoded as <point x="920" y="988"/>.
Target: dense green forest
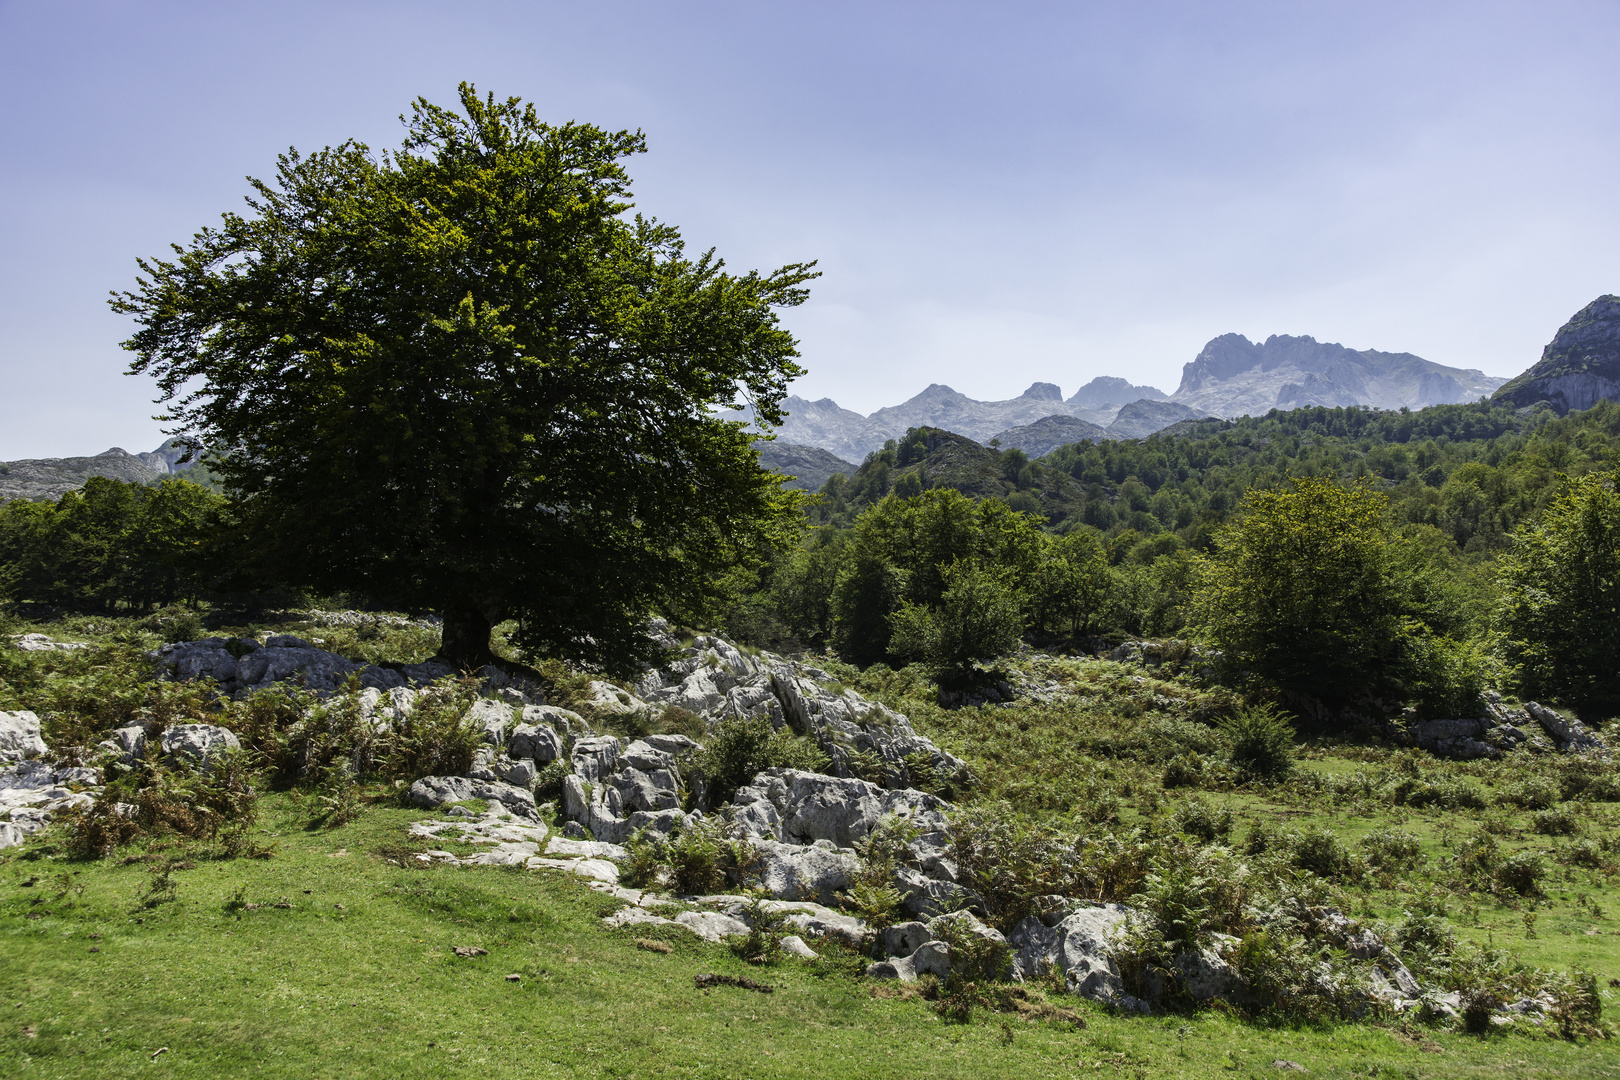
<point x="1102" y="540"/>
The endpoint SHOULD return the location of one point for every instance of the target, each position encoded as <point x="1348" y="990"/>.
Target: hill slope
<point x="807" y="467"/>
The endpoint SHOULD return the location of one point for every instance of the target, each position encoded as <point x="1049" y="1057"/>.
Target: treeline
<point x="1474" y="471"/>
<point x="110" y="546"/>
<point x="1234" y="533"/>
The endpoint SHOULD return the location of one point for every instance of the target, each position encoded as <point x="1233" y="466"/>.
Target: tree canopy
<point x="459" y="376"/>
<point x="1560" y="609"/>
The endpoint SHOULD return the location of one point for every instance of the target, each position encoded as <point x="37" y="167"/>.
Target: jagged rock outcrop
<point x="1579" y="367"/>
<point x="32" y="789"/>
<point x="242" y="665"/>
<point x="1500" y="729"/>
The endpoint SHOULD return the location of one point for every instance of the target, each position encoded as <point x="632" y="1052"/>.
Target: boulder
<point x="553" y="717"/>
<point x="802" y="807"/>
<point x="794" y="945"/>
<point x="1569" y="733"/>
<point x="902" y="939"/>
<point x="794" y="872"/>
<point x="672" y="745"/>
<point x="605" y="699"/>
<point x="711" y="925"/>
<point x="1079" y="946"/>
<point x="596" y="758"/>
<point x="645" y="791"/>
<point x="537" y="742"/>
<point x="200" y="744"/>
<point x="492" y="718"/>
<point x="929" y="958"/>
<point x="436" y="791"/>
<point x="19" y="736"/>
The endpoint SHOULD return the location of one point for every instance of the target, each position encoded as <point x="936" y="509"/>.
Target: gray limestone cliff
<point x="1579" y="367"/>
<point x="1233" y="376"/>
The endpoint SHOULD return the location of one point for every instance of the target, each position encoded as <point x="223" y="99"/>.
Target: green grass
<point x="357" y="978"/>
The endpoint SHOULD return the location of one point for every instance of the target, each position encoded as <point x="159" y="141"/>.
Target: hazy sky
<point x="997" y="193"/>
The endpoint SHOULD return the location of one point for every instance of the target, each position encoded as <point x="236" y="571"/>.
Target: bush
<point x="1521" y="873"/>
<point x="1531" y="793"/>
<point x="1202" y="820"/>
<point x="156" y="801"/>
<point x="1010" y="861"/>
<point x="1260" y="742"/>
<point x="1392" y="850"/>
<point x="1560" y="821"/>
<point x="1320" y="851"/>
<point x="1445" y="792"/>
<point x="739" y="748"/>
<point x="1184" y="770"/>
<point x="697" y="860"/>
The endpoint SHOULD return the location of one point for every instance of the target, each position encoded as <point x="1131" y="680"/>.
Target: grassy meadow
<point x="332" y="954"/>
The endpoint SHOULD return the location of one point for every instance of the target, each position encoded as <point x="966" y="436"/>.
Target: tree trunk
<point x="465" y="641"/>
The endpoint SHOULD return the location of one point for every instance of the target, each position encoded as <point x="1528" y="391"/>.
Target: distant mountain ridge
<point x="50" y="478"/>
<point x="1231" y="376"/>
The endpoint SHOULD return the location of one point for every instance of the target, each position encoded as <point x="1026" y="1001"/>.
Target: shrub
<point x="1521" y="873"/>
<point x="1320" y="851"/>
<point x="1184" y="770"/>
<point x="1559" y="821"/>
<point x="1531" y="793"/>
<point x="740" y="748"/>
<point x="1583" y="853"/>
<point x="1202" y="820"/>
<point x="698" y="859"/>
<point x="154" y="801"/>
<point x="1392" y="850"/>
<point x="763" y="942"/>
<point x="1010" y="861"/>
<point x="1260" y="742"/>
<point x="1578" y="1006"/>
<point x="1423" y="941"/>
<point x="1445" y="792"/>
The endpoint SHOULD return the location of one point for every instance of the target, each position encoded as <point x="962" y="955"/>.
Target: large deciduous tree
<point x="460" y="376"/>
<point x="1559" y="617"/>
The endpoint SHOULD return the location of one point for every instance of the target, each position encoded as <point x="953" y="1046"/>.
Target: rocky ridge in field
<point x="805" y="829"/>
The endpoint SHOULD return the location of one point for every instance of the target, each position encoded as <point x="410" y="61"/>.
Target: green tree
<point x="1559" y="616"/>
<point x="459" y="376"/>
<point x="1301" y="590"/>
<point x="977" y="618"/>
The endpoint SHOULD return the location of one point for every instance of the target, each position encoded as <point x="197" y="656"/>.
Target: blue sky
<point x="997" y="193"/>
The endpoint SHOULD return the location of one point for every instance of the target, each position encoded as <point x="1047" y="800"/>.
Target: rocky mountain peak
<point x="1579" y="367"/>
<point x="1042" y="391"/>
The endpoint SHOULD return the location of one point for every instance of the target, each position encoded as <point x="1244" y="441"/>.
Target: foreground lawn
<point x="345" y="968"/>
